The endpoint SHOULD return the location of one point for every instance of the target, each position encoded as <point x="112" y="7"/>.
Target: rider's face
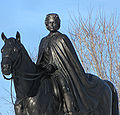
<point x="52" y="24"/>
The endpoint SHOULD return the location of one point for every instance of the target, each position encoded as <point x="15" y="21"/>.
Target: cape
<point x="86" y="89"/>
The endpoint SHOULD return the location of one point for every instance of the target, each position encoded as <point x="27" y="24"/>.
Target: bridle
<point x="14" y="64"/>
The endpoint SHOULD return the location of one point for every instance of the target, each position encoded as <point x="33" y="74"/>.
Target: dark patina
<point x="57" y="84"/>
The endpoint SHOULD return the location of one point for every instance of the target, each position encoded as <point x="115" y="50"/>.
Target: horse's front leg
<point x="20" y="108"/>
<point x="32" y="107"/>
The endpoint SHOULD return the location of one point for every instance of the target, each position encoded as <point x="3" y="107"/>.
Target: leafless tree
<point x="97" y="42"/>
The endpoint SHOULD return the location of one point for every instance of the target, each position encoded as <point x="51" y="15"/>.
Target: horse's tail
<point x="115" y="106"/>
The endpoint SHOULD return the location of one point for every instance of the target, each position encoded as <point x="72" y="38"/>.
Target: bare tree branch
<point x="97" y="42"/>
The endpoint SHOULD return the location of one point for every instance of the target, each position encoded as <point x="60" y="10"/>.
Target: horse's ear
<point x="4" y="38"/>
<point x="18" y="36"/>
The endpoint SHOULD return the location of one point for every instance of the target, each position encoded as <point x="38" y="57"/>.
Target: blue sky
<point x="27" y="17"/>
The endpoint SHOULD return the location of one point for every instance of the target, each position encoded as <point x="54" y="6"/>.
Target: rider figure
<point x="46" y="60"/>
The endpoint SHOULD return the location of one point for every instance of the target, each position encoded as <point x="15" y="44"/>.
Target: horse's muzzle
<point x="6" y="69"/>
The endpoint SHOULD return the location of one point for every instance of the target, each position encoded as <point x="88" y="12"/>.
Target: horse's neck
<point x="26" y="64"/>
<point x="23" y="87"/>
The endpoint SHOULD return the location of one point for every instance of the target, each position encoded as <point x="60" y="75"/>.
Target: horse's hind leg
<point x="115" y="108"/>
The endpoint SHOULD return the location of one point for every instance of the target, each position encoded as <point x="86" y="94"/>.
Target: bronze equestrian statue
<point x="57" y="84"/>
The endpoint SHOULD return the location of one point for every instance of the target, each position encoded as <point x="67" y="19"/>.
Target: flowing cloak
<point x="86" y="90"/>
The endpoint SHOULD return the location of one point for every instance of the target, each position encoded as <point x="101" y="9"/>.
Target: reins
<point x="26" y="75"/>
<point x="11" y="93"/>
<point x="7" y="78"/>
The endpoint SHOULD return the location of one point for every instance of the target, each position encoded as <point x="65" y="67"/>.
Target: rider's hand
<point x="50" y="68"/>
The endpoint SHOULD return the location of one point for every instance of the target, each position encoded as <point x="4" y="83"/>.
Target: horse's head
<point x="10" y="52"/>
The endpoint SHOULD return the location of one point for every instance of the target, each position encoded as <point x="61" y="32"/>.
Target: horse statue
<point x="35" y="93"/>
